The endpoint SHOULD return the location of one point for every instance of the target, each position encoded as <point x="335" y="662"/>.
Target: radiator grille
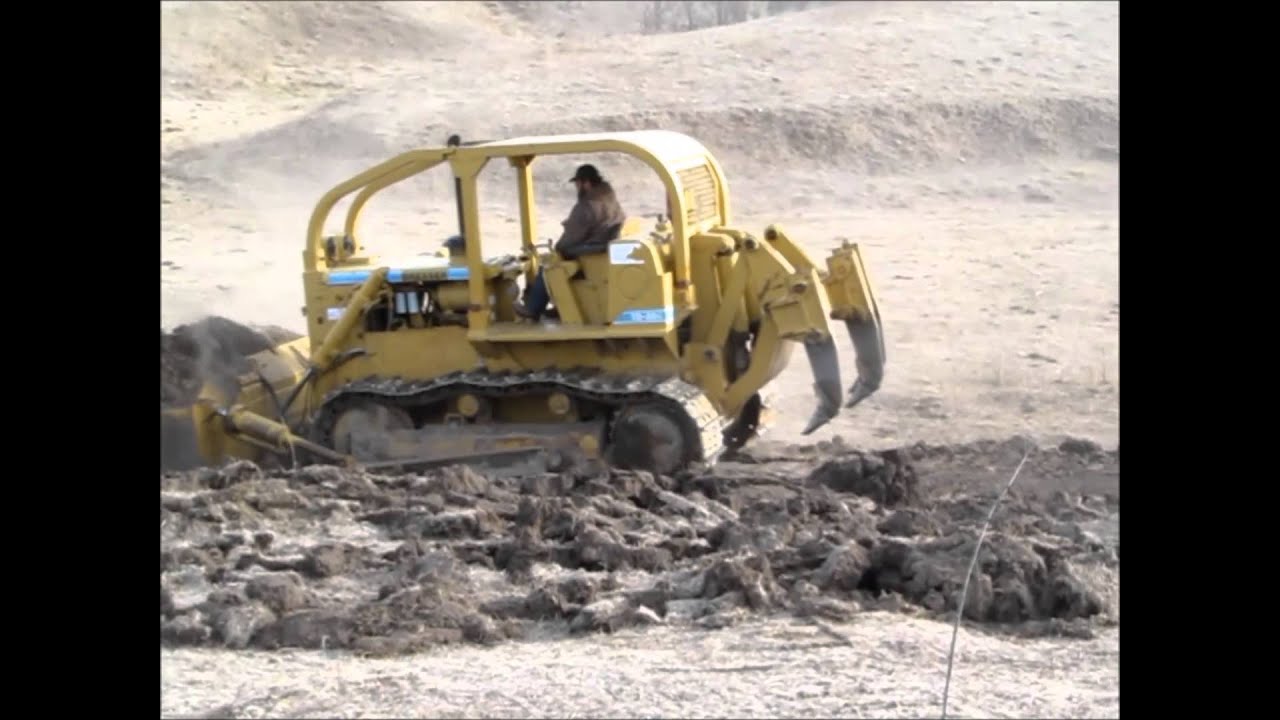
<point x="700" y="189"/>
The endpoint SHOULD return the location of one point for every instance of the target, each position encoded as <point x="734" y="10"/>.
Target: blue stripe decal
<point x="645" y="316"/>
<point x="358" y="277"/>
<point x="348" y="277"/>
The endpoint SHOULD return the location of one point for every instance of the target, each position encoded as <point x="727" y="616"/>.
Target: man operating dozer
<point x="595" y="220"/>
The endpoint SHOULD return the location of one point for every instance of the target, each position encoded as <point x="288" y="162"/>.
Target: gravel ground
<point x="878" y="665"/>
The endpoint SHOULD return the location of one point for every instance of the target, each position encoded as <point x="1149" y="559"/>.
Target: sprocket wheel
<point x="647" y="437"/>
<point x="355" y="430"/>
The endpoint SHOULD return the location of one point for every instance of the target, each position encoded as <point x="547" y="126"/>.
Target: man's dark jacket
<point x="595" y="220"/>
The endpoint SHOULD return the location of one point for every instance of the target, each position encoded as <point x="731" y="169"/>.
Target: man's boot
<point x="523" y="311"/>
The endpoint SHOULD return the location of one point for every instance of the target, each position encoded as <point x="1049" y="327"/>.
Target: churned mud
<point x="324" y="558"/>
<point x="212" y="348"/>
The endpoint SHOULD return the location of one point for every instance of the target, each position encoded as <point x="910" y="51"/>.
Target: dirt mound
<point x="981" y="102"/>
<point x="874" y="137"/>
<point x="1075" y="466"/>
<point x="207" y="49"/>
<point x="577" y="19"/>
<point x="321" y="557"/>
<point x="865" y="138"/>
<point x="213" y="348"/>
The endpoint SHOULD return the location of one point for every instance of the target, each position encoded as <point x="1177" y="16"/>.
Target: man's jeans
<point x="539" y="298"/>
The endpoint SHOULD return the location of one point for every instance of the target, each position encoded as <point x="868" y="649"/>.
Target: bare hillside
<point x="858" y="95"/>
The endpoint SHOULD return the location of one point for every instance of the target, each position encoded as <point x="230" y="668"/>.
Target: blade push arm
<point x="792" y="307"/>
<point x="852" y="301"/>
<point x="794" y="300"/>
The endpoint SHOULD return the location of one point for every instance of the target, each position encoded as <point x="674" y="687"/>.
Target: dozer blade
<point x="520" y="461"/>
<point x="825" y="363"/>
<point x="179" y="440"/>
<point x="237" y="417"/>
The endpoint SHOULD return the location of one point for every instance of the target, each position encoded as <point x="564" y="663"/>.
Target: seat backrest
<point x="595" y="268"/>
<point x="639" y="287"/>
<point x="632" y="227"/>
<point x="596" y="245"/>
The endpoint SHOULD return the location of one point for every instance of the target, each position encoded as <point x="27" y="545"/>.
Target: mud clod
<point x="462" y="523"/>
<point x="909" y="522"/>
<point x="843" y="569"/>
<point x="751" y="576"/>
<point x="437" y="567"/>
<point x="166" y="603"/>
<point x="327" y="560"/>
<point x="188" y="629"/>
<point x="280" y="592"/>
<point x="423" y="616"/>
<point x="454" y="556"/>
<point x="1067" y="597"/>
<point x="203" y="557"/>
<point x="730" y="536"/>
<point x="262" y="540"/>
<point x="229" y="541"/>
<point x="481" y="629"/>
<point x="1077" y="446"/>
<point x="235" y="625"/>
<point x="547" y="603"/>
<point x="889" y="480"/>
<point x="307" y="629"/>
<point x="234" y="474"/>
<point x="611" y="615"/>
<point x="224" y="597"/>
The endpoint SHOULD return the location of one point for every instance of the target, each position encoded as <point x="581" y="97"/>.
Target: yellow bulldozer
<point x="662" y="347"/>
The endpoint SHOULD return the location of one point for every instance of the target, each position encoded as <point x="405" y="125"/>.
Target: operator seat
<point x="598" y="246"/>
<point x="578" y="280"/>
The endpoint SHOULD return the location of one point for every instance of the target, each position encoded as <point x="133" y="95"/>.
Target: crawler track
<point x="701" y="427"/>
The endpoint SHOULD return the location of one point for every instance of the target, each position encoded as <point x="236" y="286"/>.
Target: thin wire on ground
<point x="973" y="563"/>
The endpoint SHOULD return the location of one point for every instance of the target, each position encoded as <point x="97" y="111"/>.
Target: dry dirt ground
<point x="971" y="148"/>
